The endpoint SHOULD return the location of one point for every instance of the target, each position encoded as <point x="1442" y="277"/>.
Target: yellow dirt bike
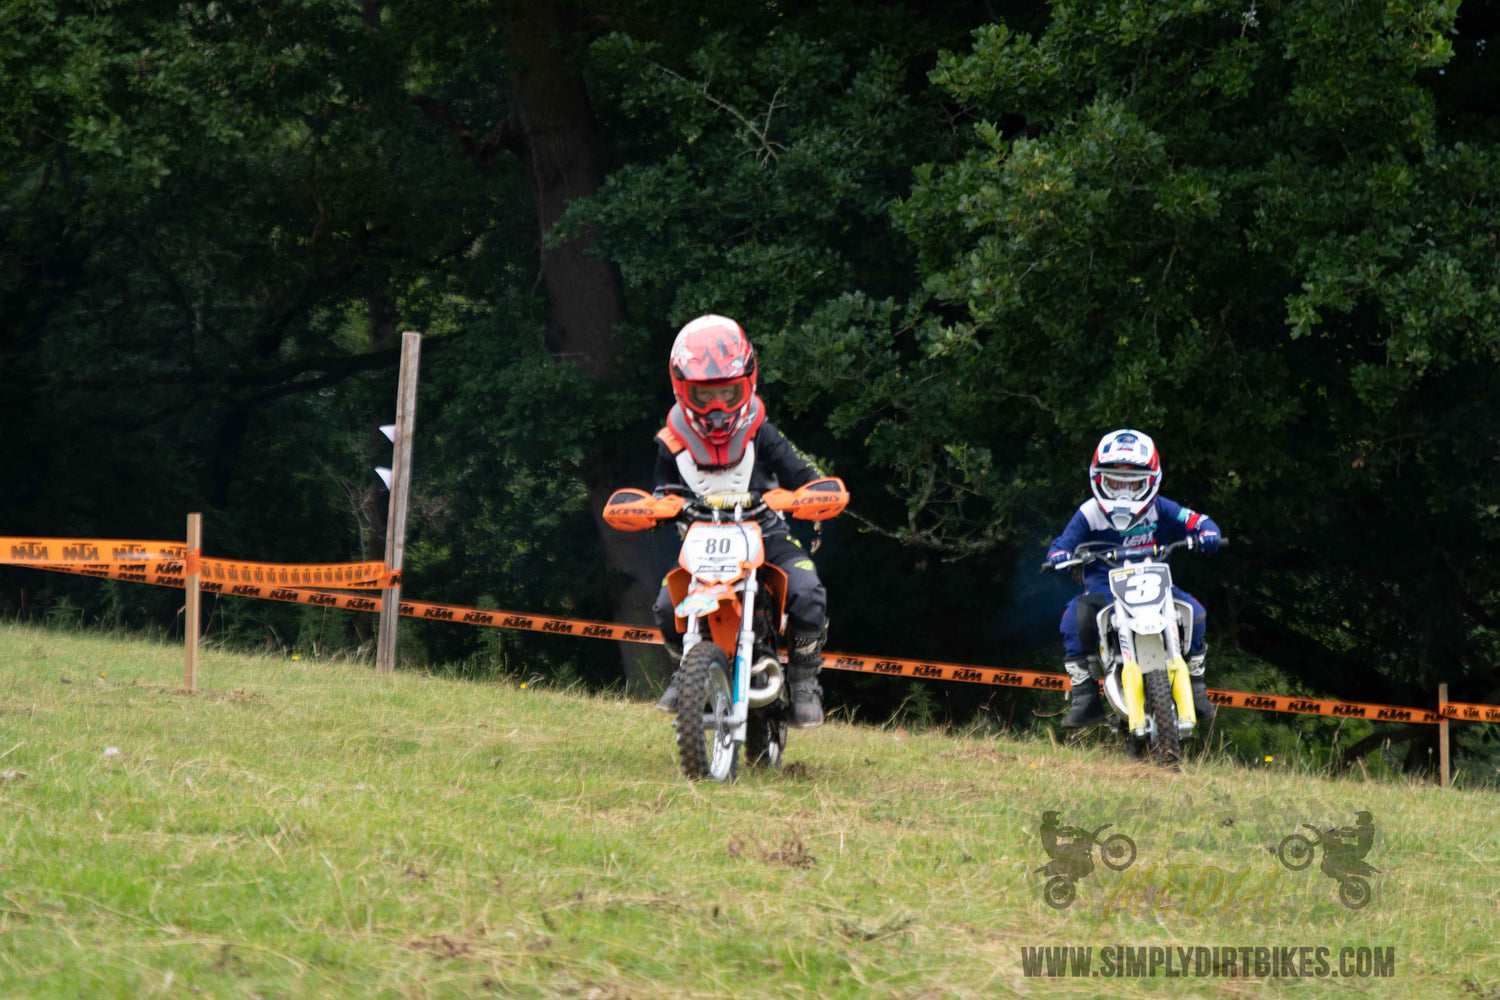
<point x="1142" y="633"/>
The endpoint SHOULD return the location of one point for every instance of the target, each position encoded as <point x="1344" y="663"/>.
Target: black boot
<point x="1086" y="708"/>
<point x="1205" y="709"/>
<point x="802" y="666"/>
<point x="668" y="701"/>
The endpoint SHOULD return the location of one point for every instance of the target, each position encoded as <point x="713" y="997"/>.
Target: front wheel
<point x="1163" y="711"/>
<point x="1295" y="852"/>
<point x="1117" y="852"/>
<point x="705" y="740"/>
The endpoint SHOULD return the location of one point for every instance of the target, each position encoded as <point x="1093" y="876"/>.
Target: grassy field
<point x="306" y="829"/>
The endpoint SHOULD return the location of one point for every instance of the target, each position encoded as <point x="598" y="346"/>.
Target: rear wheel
<point x="1059" y="892"/>
<point x="765" y="735"/>
<point x="705" y="741"/>
<point x="1354" y="892"/>
<point x="1163" y="712"/>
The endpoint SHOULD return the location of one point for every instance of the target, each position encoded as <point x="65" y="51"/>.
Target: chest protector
<point x="724" y="479"/>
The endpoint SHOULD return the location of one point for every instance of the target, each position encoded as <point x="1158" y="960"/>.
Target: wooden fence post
<point x="400" y="485"/>
<point x="191" y="614"/>
<point x="1443" y="775"/>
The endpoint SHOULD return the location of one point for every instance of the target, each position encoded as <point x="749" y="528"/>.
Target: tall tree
<point x="1249" y="231"/>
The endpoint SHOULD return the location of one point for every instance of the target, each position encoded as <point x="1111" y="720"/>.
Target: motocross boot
<point x="1205" y="709"/>
<point x="1086" y="708"/>
<point x="802" y="666"/>
<point x="668" y="702"/>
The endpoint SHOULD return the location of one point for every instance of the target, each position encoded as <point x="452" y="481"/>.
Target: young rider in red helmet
<point x="1125" y="510"/>
<point x="717" y="439"/>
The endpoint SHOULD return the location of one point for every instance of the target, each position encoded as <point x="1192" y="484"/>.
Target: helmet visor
<point x="702" y="396"/>
<point x="1118" y="484"/>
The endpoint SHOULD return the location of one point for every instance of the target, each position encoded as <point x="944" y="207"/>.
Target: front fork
<point x="1133" y="682"/>
<point x="744" y="650"/>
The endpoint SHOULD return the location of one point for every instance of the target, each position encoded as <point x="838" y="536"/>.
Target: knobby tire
<point x="694" y="742"/>
<point x="1163" y="710"/>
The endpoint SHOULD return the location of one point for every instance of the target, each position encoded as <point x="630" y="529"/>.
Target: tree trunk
<point x="557" y="142"/>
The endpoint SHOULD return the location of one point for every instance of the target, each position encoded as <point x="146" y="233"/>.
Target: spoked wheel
<point x="1354" y="892"/>
<point x="1295" y="852"/>
<point x="1117" y="852"/>
<point x="765" y="735"/>
<point x="705" y="741"/>
<point x="1163" y="711"/>
<point x="1059" y="892"/>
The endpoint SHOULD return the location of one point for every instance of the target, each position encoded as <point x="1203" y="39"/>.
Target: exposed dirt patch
<point x="443" y="946"/>
<point x="789" y="854"/>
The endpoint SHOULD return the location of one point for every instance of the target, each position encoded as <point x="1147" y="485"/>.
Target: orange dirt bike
<point x="731" y="687"/>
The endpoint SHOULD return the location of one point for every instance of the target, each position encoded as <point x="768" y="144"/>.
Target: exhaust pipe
<point x="770" y="668"/>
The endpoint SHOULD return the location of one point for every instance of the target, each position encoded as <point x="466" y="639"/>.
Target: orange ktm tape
<point x="353" y="576"/>
<point x="946" y="671"/>
<point x="48" y="552"/>
<point x="582" y="627"/>
<point x="1464" y="712"/>
<point x="31" y="551"/>
<point x="169" y="574"/>
<point x="1319" y="706"/>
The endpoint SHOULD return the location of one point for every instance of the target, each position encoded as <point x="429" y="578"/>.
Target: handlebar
<point x="1115" y="554"/>
<point x="634" y="510"/>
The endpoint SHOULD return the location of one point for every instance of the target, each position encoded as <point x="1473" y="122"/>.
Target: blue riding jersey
<point x="1164" y="521"/>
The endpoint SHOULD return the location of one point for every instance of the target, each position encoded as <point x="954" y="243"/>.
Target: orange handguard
<point x="814" y="501"/>
<point x="636" y="510"/>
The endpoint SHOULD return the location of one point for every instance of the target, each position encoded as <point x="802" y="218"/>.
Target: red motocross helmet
<point x="713" y="376"/>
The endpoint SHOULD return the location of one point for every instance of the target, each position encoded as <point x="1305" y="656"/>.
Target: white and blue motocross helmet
<point x="1125" y="476"/>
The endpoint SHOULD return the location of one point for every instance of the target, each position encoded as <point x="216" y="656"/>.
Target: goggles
<point x="1121" y="485"/>
<point x="702" y="397"/>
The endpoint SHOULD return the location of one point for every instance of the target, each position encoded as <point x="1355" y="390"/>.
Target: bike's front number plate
<point x="715" y="552"/>
<point x="1140" y="586"/>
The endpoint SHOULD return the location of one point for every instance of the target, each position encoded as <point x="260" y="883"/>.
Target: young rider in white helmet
<point x="1125" y="510"/>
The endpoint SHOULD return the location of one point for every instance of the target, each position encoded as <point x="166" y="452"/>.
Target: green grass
<point x="306" y="829"/>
